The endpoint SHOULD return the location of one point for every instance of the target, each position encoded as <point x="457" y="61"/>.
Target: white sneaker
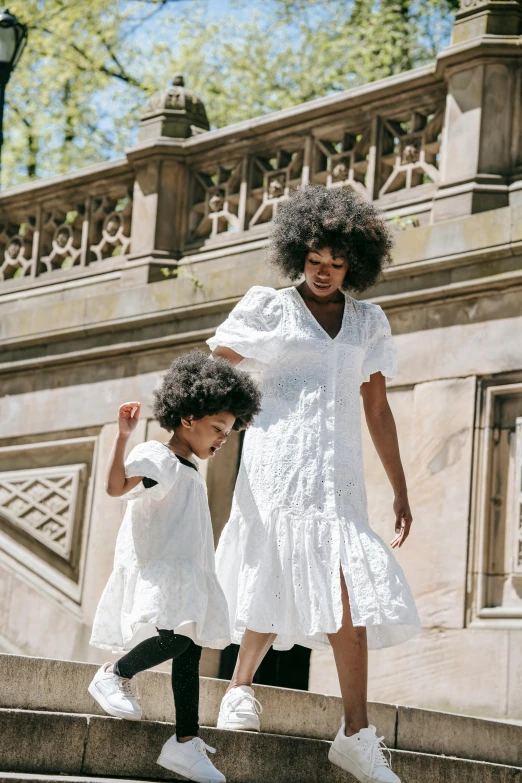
<point x="363" y="756"/>
<point x="114" y="694"/>
<point x="190" y="760"/>
<point x="240" y="710"/>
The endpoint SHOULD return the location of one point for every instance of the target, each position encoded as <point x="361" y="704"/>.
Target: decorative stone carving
<point x="111" y="220"/>
<point x="215" y="201"/>
<point x="275" y="188"/>
<point x="16" y="249"/>
<point x="272" y="180"/>
<point x="175" y="112"/>
<point x="340" y="172"/>
<point x="42" y="502"/>
<point x="409" y="154"/>
<point x="65" y="230"/>
<point x="342" y="160"/>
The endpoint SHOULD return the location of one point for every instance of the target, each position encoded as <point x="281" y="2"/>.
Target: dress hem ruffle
<point x="131" y="599"/>
<point x="378" y="636"/>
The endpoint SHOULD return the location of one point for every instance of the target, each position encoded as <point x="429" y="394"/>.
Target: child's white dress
<point x="299" y="510"/>
<point x="164" y="569"/>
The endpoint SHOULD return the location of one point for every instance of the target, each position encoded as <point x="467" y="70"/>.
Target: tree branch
<point x="122" y="75"/>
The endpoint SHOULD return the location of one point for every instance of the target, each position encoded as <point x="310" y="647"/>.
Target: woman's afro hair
<point x="199" y="385"/>
<point x="315" y="217"/>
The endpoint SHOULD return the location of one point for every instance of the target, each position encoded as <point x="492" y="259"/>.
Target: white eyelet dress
<point x="164" y="567"/>
<point x="299" y="510"/>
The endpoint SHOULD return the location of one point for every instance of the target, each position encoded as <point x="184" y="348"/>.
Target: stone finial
<point x="487" y="17"/>
<point x="174" y="112"/>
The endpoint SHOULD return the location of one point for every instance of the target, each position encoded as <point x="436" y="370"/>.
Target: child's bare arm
<point x="116" y="483"/>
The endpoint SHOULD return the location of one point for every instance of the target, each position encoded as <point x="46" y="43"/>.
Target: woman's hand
<point x="384" y="435"/>
<point x="128" y="415"/>
<point x="403" y="520"/>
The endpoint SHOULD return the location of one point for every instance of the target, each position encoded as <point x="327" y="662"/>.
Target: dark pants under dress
<point x="185" y="673"/>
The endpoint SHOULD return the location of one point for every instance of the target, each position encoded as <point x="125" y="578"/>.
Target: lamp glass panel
<point x="7" y="44"/>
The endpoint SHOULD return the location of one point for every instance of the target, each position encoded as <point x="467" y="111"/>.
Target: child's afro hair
<point x="199" y="385"/>
<point x="315" y="217"/>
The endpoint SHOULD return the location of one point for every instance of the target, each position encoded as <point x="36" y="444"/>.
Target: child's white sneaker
<point x="114" y="694"/>
<point x="363" y="756"/>
<point x="190" y="760"/>
<point x="240" y="710"/>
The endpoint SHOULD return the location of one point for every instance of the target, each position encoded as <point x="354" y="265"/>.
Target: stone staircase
<point x="52" y="731"/>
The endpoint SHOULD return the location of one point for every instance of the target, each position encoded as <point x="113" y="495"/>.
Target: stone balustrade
<point x="383" y="140"/>
<point x="432" y="144"/>
<point x="79" y="223"/>
<point x="390" y="156"/>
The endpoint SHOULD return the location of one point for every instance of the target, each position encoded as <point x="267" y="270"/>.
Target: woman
<point x="297" y="560"/>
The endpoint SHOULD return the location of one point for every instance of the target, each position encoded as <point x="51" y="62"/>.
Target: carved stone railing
<point x="78" y="223"/>
<point x="431" y="144"/>
<point x="390" y="158"/>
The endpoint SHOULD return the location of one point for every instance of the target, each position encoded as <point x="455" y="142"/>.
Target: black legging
<point x="185" y="673"/>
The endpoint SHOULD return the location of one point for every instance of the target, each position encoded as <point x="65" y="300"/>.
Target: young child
<point x="164" y="584"/>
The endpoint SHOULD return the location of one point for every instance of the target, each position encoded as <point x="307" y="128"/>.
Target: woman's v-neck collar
<point x="314" y="319"/>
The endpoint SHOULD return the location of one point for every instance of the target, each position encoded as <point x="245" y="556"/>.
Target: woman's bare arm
<point x="117" y="484"/>
<point x="381" y="425"/>
<point x="227" y="353"/>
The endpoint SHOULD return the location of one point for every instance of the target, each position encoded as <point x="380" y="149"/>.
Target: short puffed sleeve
<point x="381" y="353"/>
<point x="152" y="460"/>
<point x="253" y="328"/>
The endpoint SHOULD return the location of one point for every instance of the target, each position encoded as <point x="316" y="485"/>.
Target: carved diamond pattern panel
<point x="517" y="559"/>
<point x="42" y="502"/>
<point x="343" y="162"/>
<point x="62" y="236"/>
<point x="16" y="248"/>
<point x="111" y="224"/>
<point x="215" y="202"/>
<point x="409" y="154"/>
<point x="272" y="180"/>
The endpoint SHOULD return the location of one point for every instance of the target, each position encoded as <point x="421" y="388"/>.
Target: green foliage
<point x="184" y="271"/>
<point x="411" y="221"/>
<point x="89" y="67"/>
<point x="304" y="50"/>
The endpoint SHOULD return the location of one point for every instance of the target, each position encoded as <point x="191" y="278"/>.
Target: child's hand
<point x="128" y="415"/>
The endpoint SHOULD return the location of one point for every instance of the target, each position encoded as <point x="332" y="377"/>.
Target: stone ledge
<point x="42" y="741"/>
<point x="453" y="735"/>
<point x="27" y="777"/>
<point x="114" y="748"/>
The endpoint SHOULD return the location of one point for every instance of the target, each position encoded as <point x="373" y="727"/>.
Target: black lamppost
<point x="13" y="37"/>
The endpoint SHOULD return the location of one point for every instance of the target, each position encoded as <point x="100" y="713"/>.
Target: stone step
<point x="44" y="684"/>
<point x="90" y="746"/>
<point x="25" y="777"/>
<point x="61" y="686"/>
